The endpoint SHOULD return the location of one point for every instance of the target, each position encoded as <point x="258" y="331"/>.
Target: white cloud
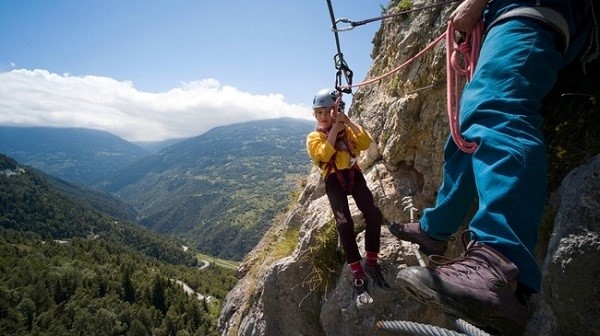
<point x="40" y="98"/>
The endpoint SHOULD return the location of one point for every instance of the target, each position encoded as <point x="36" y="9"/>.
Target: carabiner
<point x="338" y="81"/>
<point x="335" y="28"/>
<point x="339" y="62"/>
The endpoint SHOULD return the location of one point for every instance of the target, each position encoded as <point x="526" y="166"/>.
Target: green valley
<point x="68" y="269"/>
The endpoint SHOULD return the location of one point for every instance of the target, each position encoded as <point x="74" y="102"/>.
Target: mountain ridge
<point x="227" y="183"/>
<point x="79" y="155"/>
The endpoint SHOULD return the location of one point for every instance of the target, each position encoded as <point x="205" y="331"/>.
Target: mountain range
<point x="218" y="191"/>
<point x="73" y="154"/>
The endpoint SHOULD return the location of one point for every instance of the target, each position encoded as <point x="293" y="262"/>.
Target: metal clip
<point x="335" y="28"/>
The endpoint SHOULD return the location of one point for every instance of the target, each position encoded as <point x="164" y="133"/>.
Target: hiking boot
<point x="361" y="294"/>
<point x="376" y="274"/>
<point x="412" y="232"/>
<point x="478" y="287"/>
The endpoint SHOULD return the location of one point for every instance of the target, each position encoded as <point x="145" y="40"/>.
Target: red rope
<point x="469" y="50"/>
<point x="412" y="59"/>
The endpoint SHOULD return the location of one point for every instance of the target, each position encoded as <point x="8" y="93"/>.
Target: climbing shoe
<point x="361" y="294"/>
<point x="412" y="232"/>
<point x="376" y="274"/>
<point x="478" y="287"/>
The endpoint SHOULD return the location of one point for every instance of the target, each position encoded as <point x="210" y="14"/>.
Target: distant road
<point x="189" y="291"/>
<point x="205" y="259"/>
<point x="230" y="264"/>
<point x="205" y="264"/>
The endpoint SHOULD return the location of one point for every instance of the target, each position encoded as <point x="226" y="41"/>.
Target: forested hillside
<point x="219" y="191"/>
<point x="68" y="269"/>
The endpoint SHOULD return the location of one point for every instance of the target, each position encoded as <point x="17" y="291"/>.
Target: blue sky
<point x="157" y="69"/>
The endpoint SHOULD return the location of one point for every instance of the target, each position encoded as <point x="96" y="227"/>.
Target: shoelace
<point x="466" y="263"/>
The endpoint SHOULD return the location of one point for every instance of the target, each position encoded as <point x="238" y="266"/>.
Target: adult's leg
<point x="455" y="196"/>
<point x="518" y="66"/>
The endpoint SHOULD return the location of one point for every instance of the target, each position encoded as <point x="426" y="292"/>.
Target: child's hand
<point x="340" y="117"/>
<point x="337" y="127"/>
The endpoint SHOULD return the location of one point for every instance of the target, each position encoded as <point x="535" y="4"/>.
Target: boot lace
<point x="466" y="264"/>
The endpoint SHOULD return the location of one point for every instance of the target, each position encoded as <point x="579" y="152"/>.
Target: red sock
<point x="371" y="259"/>
<point x="357" y="270"/>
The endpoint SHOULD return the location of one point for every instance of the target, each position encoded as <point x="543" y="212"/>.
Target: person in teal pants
<point x="518" y="65"/>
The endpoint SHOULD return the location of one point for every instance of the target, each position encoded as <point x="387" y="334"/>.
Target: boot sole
<point x="431" y="297"/>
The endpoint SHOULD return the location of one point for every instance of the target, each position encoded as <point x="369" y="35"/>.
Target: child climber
<point x="334" y="146"/>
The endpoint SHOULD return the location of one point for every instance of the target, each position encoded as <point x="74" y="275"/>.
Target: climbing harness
<point x="544" y="15"/>
<point x="341" y="144"/>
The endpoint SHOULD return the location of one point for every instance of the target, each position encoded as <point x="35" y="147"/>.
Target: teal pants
<point x="499" y="110"/>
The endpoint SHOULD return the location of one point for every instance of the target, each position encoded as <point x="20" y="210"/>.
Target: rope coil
<point x="469" y="50"/>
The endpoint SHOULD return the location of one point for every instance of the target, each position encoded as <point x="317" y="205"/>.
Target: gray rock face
<point x="304" y="291"/>
<point x="571" y="287"/>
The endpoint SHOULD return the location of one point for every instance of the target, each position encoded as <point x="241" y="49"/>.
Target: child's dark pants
<point x="338" y="198"/>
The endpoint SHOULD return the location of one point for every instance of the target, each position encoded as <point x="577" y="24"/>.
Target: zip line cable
<point x="353" y="24"/>
<point x="340" y="64"/>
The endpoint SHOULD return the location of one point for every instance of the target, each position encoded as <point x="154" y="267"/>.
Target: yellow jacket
<point x="321" y="151"/>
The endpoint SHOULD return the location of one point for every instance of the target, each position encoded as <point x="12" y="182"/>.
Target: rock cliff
<point x="294" y="281"/>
